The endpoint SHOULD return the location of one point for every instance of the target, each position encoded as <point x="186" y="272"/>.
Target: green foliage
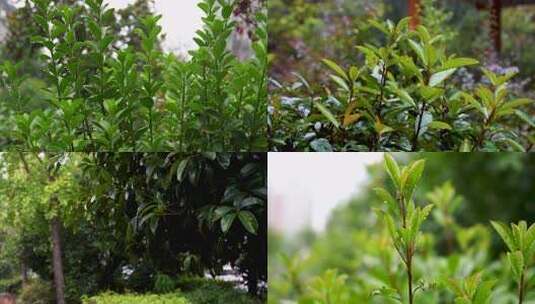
<point x="471" y="290"/>
<point x="205" y="291"/>
<point x="37" y="292"/>
<point x="401" y="98"/>
<point x="10" y="285"/>
<point x="111" y="298"/>
<point x="330" y="288"/>
<point x="108" y="94"/>
<point x="145" y="217"/>
<point x="455" y="256"/>
<point x="403" y="219"/>
<point x="164" y="284"/>
<point x="520" y="241"/>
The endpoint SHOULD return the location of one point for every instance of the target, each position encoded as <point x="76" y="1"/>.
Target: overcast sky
<point x="305" y="187"/>
<point x="181" y="18"/>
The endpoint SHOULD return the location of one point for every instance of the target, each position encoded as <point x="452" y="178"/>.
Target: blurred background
<point x="322" y="217"/>
<point x="302" y="32"/>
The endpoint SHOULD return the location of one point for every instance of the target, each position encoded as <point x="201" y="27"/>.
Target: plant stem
<point x="409" y="275"/>
<point x="521" y="289"/>
<point x="418" y="127"/>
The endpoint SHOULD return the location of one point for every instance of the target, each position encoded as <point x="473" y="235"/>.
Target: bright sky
<point x="180" y="20"/>
<point x="305" y="187"/>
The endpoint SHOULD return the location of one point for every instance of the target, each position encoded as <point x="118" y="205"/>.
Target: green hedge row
<point x="111" y="298"/>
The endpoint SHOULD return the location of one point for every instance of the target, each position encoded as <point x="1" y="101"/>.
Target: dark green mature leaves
<point x="106" y="96"/>
<point x="403" y="98"/>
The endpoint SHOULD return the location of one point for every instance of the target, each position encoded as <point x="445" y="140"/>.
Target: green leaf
<point x="483" y="292"/>
<point x="516" y="103"/>
<point x="525" y="118"/>
<point x="222" y="211"/>
<point x="327" y="114"/>
<point x="393" y="169"/>
<point x="505" y="234"/>
<point x="458" y="62"/>
<point x="439" y="125"/>
<point x="439" y="77"/>
<point x="250" y="201"/>
<point x="248" y="221"/>
<point x="516" y="259"/>
<point x="517" y="147"/>
<point x="415" y="172"/>
<point x="226" y="222"/>
<point x="387" y="198"/>
<point x="491" y="76"/>
<point x="321" y="145"/>
<point x="180" y="169"/>
<point x="417" y="48"/>
<point x="430" y="93"/>
<point x="336" y="68"/>
<point x="353" y="73"/>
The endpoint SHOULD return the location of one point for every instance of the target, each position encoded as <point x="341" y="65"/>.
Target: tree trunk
<point x="57" y="264"/>
<point x="495" y="24"/>
<point x="23" y="270"/>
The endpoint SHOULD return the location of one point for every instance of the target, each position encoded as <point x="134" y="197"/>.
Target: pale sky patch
<point x="305" y="187"/>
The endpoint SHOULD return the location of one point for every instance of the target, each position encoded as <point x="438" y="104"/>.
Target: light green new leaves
<point x="439" y="125"/>
<point x="418" y="49"/>
<point x="392" y="169"/>
<point x="327" y="113"/>
<point x="471" y="290"/>
<point x="336" y="68"/>
<point x="516" y="260"/>
<point x="520" y="241"/>
<point x="388" y="199"/>
<point x="439" y="77"/>
<point x="410" y="176"/>
<point x="404" y="179"/>
<point x="458" y="62"/>
<point x="402" y="218"/>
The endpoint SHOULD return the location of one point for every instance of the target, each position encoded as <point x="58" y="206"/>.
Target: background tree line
<point x="96" y="222"/>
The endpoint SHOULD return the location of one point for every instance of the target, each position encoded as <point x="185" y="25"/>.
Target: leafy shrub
<point x="207" y="291"/>
<point x="400" y="99"/>
<point x="104" y="97"/>
<point x="37" y="292"/>
<point x="10" y="285"/>
<point x="111" y="298"/>
<point x="164" y="283"/>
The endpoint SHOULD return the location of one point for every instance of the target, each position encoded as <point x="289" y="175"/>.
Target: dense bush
<point x="106" y="97"/>
<point x="206" y="291"/>
<point x="400" y="99"/>
<point x="164" y="284"/>
<point x="37" y="292"/>
<point x="10" y="285"/>
<point x="111" y="298"/>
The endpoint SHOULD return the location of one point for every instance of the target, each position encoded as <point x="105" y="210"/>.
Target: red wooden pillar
<point x="414" y="13"/>
<point x="496" y="24"/>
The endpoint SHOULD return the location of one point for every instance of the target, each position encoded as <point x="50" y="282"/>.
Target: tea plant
<point x="403" y="219"/>
<point x="362" y="258"/>
<point x="106" y="96"/>
<point x="401" y="98"/>
<point x="471" y="290"/>
<point x="520" y="241"/>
